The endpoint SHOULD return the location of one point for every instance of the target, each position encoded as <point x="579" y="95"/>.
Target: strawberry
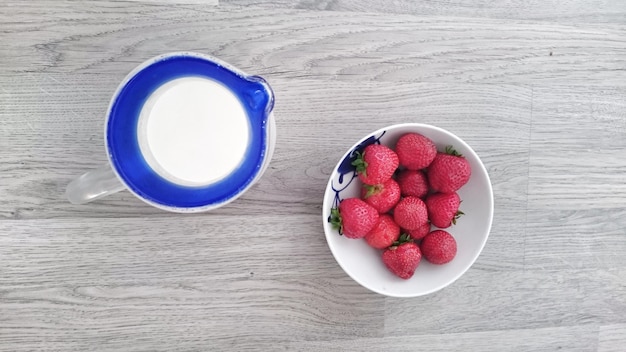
<point x="443" y="209"/>
<point x="415" y="151"/>
<point x="382" y="197"/>
<point x="412" y="183"/>
<point x="449" y="171"/>
<point x="384" y="233"/>
<point x="376" y="164"/>
<point x="420" y="232"/>
<point x="354" y="218"/>
<point x="410" y="213"/>
<point x="438" y="247"/>
<point x="402" y="258"/>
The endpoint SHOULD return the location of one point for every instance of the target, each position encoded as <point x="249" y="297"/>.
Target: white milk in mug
<point x="185" y="133"/>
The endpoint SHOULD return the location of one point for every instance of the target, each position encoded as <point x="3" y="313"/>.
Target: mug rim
<point x="268" y="137"/>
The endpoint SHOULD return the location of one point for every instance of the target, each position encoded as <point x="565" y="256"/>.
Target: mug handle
<point x="94" y="184"/>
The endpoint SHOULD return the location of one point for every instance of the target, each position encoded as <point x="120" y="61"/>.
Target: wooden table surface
<point x="538" y="88"/>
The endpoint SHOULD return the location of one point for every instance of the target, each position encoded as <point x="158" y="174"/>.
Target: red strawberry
<point x="384" y="234"/>
<point x="412" y="183"/>
<point x="443" y="209"/>
<point x="439" y="247"/>
<point x="449" y="171"/>
<point x="354" y="218"/>
<point x="402" y="259"/>
<point x="420" y="232"/>
<point x="376" y="165"/>
<point x="410" y="213"/>
<point x="415" y="151"/>
<point x="382" y="197"/>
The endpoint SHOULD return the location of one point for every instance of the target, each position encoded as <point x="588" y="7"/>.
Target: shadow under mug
<point x="130" y="143"/>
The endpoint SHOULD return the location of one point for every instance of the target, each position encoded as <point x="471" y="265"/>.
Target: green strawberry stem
<point x="372" y="190"/>
<point x="451" y="151"/>
<point x="360" y="164"/>
<point x="404" y="238"/>
<point x="456" y="216"/>
<point x="335" y="220"/>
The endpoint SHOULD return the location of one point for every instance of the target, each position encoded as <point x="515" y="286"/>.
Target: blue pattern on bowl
<point x="346" y="168"/>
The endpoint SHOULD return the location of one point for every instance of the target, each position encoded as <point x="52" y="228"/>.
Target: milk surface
<point x="193" y="131"/>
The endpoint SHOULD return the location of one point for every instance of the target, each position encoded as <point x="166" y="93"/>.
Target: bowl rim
<point x="325" y="212"/>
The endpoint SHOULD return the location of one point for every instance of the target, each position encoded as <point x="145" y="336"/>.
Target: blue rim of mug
<point x="122" y="143"/>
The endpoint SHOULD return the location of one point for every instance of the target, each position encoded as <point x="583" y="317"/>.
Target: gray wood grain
<point x="177" y="2"/>
<point x="536" y="89"/>
<point x="584" y="238"/>
<point x="578" y="138"/>
<point x="184" y="282"/>
<point x="531" y="298"/>
<point x="339" y="45"/>
<point x="612" y="338"/>
<point x="577" y="179"/>
<point x="578" y="338"/>
<point x="569" y="11"/>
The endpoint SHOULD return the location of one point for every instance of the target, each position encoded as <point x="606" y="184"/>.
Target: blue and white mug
<point x="184" y="132"/>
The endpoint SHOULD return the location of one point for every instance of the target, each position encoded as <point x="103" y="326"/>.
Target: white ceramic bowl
<point x="364" y="264"/>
